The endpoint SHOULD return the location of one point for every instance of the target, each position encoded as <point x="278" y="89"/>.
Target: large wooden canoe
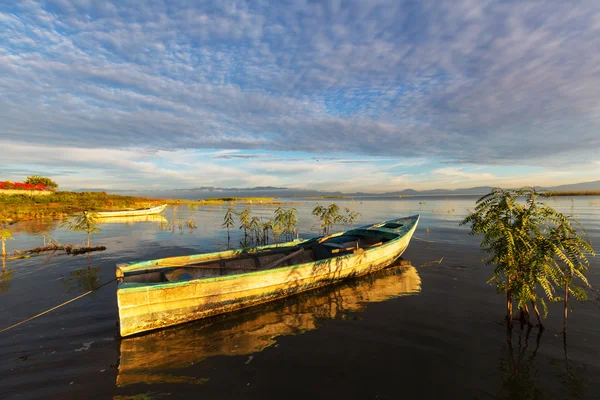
<point x="169" y="291"/>
<point x="125" y="213"/>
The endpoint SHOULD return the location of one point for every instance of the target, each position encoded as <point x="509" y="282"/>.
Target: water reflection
<point x="517" y="365"/>
<point x="519" y="371"/>
<point x="145" y="359"/>
<point x="156" y="218"/>
<point x="83" y="279"/>
<point x="6" y="275"/>
<point x="35" y="226"/>
<point x="573" y="380"/>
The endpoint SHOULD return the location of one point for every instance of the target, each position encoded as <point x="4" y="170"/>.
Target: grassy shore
<point x="223" y="200"/>
<point x="575" y="193"/>
<point x="60" y="204"/>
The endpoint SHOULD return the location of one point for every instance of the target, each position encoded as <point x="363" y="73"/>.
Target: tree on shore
<point x="532" y="246"/>
<point x="36" y="179"/>
<point x="84" y="222"/>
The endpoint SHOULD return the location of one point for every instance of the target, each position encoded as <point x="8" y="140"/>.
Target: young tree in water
<point x="328" y="216"/>
<point x="568" y="253"/>
<point x="255" y="229"/>
<point x="245" y="217"/>
<point x="278" y="224"/>
<point x="531" y="244"/>
<point x="291" y="219"/>
<point x="84" y="222"/>
<point x="5" y="235"/>
<point x="351" y="216"/>
<point x="228" y="223"/>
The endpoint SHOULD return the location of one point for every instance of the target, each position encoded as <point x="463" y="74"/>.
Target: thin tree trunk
<point x="566" y="305"/>
<point x="89" y="240"/>
<point x="537" y="314"/>
<point x="3" y="249"/>
<point x="509" y="306"/>
<point x="524" y="315"/>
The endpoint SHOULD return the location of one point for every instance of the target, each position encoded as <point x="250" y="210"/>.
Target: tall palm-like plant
<point x="228" y="223"/>
<point x="278" y="224"/>
<point x="265" y="226"/>
<point x="291" y="219"/>
<point x="531" y="245"/>
<point x="5" y="235"/>
<point x="351" y="216"/>
<point x="568" y="254"/>
<point x="84" y="222"/>
<point x="255" y="228"/>
<point x="328" y="216"/>
<point x="245" y="218"/>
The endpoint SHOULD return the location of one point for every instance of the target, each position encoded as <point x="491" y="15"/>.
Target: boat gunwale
<point x="138" y="287"/>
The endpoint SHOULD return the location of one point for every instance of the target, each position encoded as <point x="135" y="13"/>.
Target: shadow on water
<point x="519" y="369"/>
<point x="149" y="358"/>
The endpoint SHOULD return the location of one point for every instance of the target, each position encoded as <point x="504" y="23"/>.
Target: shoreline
<point x="59" y="205"/>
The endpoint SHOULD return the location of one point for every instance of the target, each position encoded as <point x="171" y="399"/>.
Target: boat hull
<point x="148" y="307"/>
<point x="131" y="213"/>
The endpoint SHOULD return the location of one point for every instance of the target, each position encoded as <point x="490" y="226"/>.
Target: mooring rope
<point x="423" y="240"/>
<point x="58" y="306"/>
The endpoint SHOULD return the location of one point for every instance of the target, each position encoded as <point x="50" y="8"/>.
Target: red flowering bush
<point x="8" y="185"/>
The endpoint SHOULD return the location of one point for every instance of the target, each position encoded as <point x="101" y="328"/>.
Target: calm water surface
<point x="431" y="330"/>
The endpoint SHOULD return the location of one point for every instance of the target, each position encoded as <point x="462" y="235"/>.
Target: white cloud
<point x="475" y="83"/>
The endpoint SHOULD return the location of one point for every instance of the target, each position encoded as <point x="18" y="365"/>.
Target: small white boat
<point x="124" y="213"/>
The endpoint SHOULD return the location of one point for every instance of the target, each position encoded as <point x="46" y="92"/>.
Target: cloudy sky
<point x="359" y="95"/>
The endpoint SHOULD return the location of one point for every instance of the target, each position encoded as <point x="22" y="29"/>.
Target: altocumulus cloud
<point x="483" y="82"/>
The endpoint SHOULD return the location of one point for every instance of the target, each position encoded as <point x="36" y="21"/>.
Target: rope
<point x="423" y="240"/>
<point x="58" y="306"/>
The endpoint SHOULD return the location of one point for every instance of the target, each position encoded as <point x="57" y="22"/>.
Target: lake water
<point x="431" y="330"/>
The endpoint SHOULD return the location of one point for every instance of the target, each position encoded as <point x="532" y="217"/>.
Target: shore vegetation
<point x="58" y="205"/>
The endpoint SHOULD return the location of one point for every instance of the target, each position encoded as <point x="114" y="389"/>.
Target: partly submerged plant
<point x="532" y="246"/>
<point x="5" y="235"/>
<point x="84" y="222"/>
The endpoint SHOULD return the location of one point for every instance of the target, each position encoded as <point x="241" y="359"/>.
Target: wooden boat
<point x="125" y="213"/>
<point x="134" y="219"/>
<point x="155" y="357"/>
<point x="169" y="291"/>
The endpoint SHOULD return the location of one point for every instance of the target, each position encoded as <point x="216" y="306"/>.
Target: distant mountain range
<point x="272" y="191"/>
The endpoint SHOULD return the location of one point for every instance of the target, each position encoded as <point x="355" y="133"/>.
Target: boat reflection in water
<point x="132" y="219"/>
<point x="147" y="358"/>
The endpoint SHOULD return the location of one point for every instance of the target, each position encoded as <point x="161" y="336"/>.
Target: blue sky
<point x="353" y="96"/>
